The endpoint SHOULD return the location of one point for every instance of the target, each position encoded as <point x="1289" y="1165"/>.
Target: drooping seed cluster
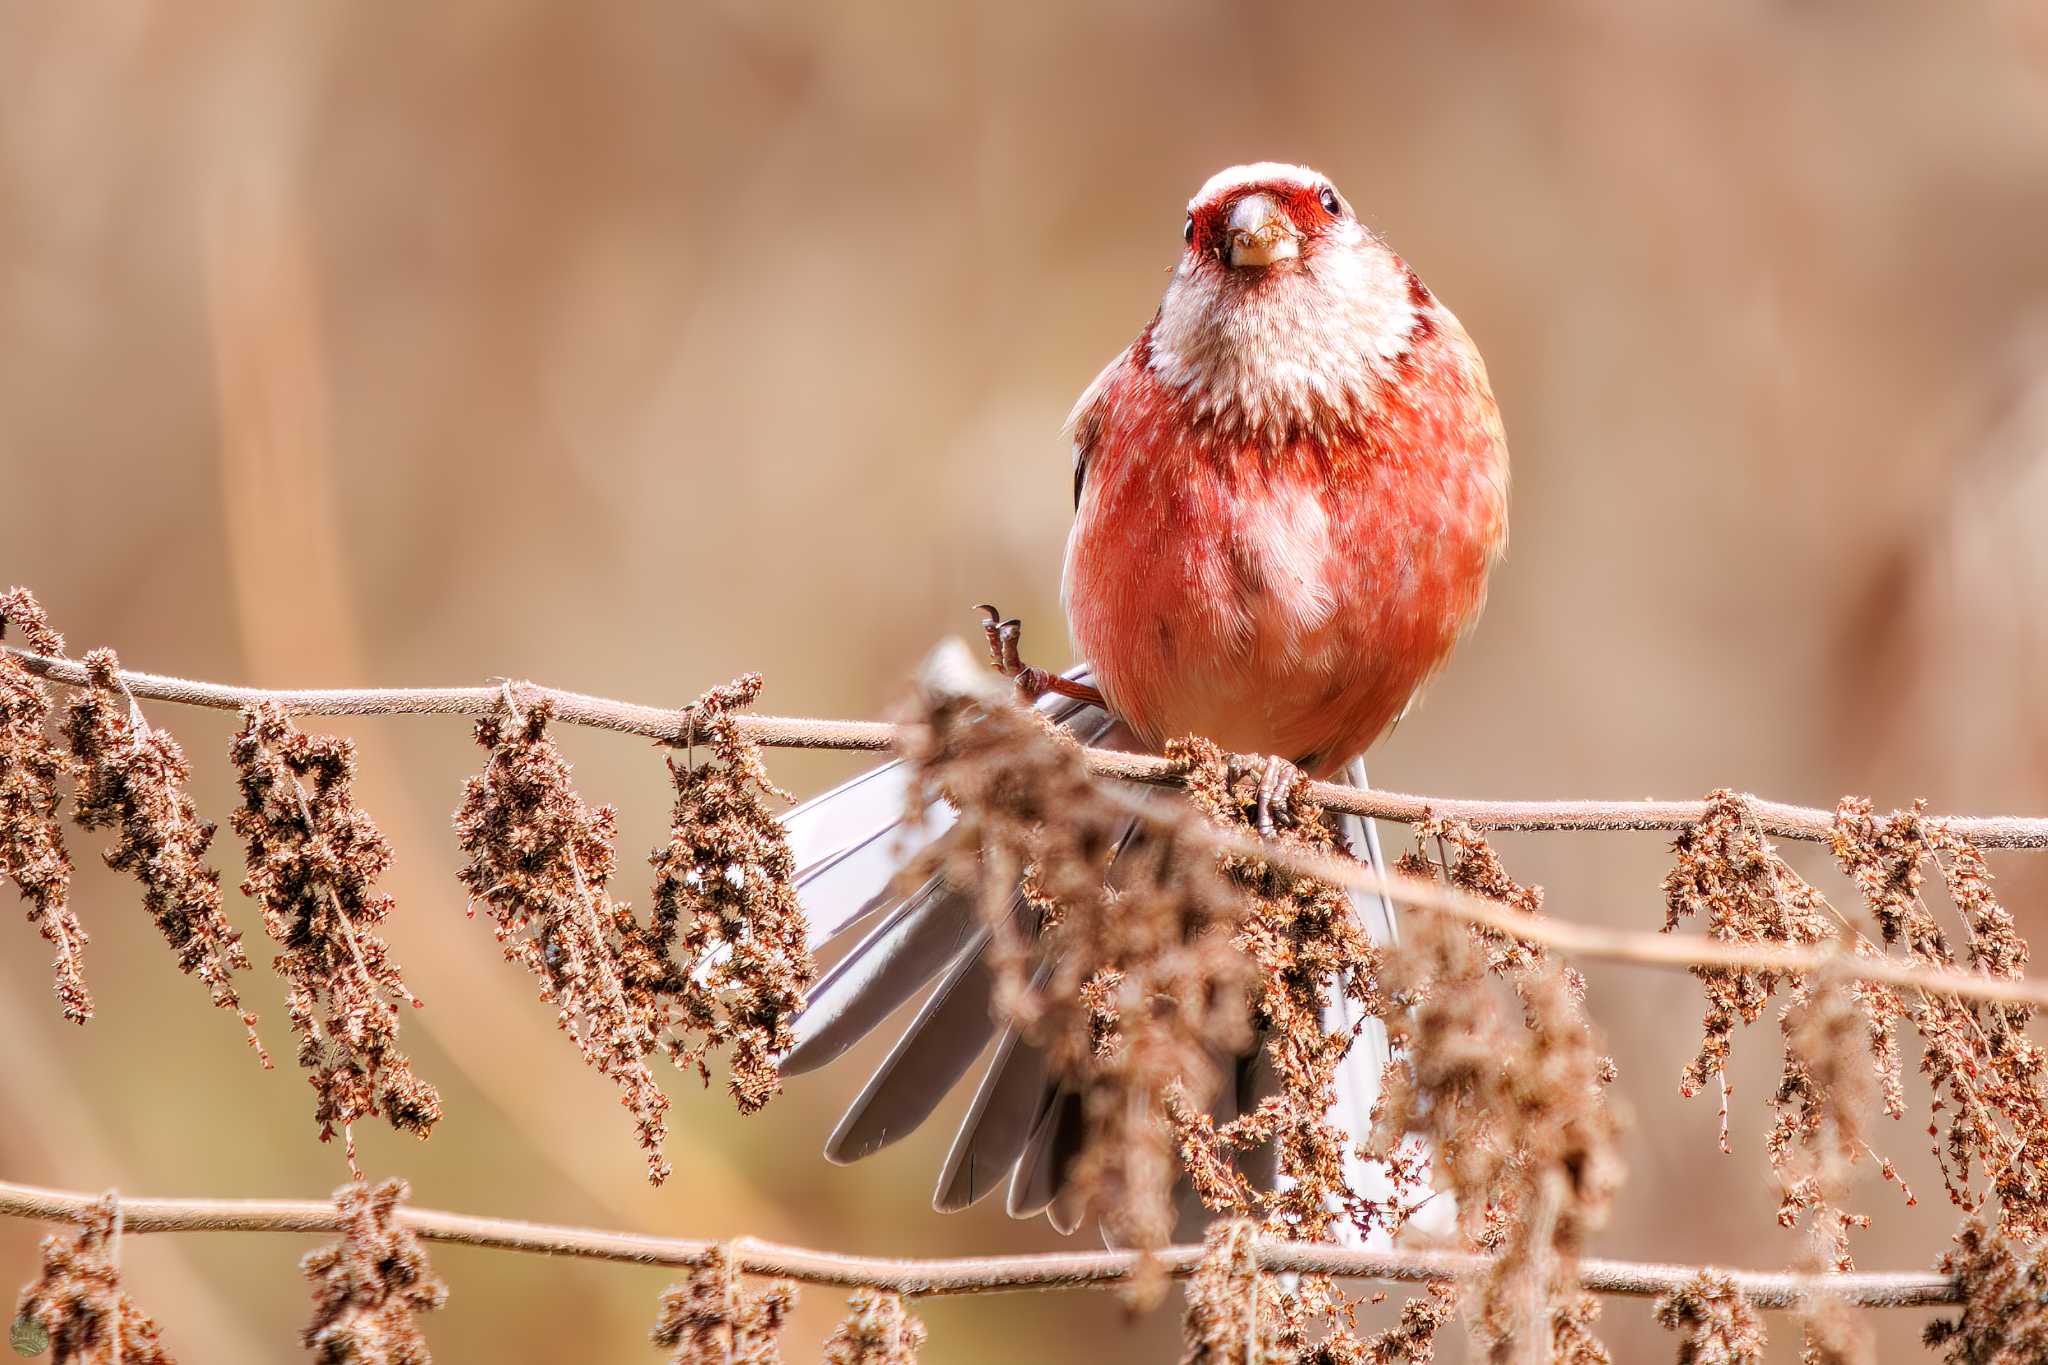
<point x="1728" y="874"/>
<point x="877" y="1330"/>
<point x="1989" y="1078"/>
<point x="1498" y="1072"/>
<point x="1714" y="1323"/>
<point x="1817" y="1138"/>
<point x="32" y="853"/>
<point x="314" y="857"/>
<point x="131" y="778"/>
<point x="1509" y="1094"/>
<point x="77" y="1309"/>
<point x="1128" y="981"/>
<point x="2004" y="1319"/>
<point x="370" y="1287"/>
<point x="1304" y="942"/>
<point x="723" y="961"/>
<point x="713" y="1318"/>
<point x="1235" y="1312"/>
<point x="1842" y="1049"/>
<point x="723" y="897"/>
<point x="541" y="861"/>
<point x="1299" y="935"/>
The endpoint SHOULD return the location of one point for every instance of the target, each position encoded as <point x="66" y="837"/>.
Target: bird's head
<point x="1285" y="311"/>
<point x="1267" y="216"/>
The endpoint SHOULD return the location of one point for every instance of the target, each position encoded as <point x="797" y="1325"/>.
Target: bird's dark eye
<point x="1332" y="205"/>
<point x="1187" y="229"/>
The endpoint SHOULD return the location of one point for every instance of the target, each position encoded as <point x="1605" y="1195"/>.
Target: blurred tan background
<point x="626" y="347"/>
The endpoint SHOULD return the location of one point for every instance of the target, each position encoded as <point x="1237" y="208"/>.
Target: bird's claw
<point x="1277" y="780"/>
<point x="1003" y="635"/>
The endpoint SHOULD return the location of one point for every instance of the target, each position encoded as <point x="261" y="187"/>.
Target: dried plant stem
<point x="1582" y="940"/>
<point x="1778" y="819"/>
<point x="1616" y="945"/>
<point x="964" y="1275"/>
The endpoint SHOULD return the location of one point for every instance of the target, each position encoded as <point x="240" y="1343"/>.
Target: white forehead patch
<point x="1258" y="172"/>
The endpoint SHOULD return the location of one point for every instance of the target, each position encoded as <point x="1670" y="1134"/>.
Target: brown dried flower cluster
<point x="32" y="852"/>
<point x="314" y="857"/>
<point x="131" y="778"/>
<point x="714" y="1319"/>
<point x="877" y="1330"/>
<point x="1412" y="1340"/>
<point x="369" y="1287"/>
<point x="1714" y="1322"/>
<point x="724" y="960"/>
<point x="1729" y="873"/>
<point x="1299" y="935"/>
<point x="1129" y="981"/>
<point x="1510" y="1095"/>
<point x="1235" y="1313"/>
<point x="541" y="860"/>
<point x="2005" y="1302"/>
<point x="1817" y="1138"/>
<point x="76" y="1307"/>
<point x="1988" y="1076"/>
<point x="1836" y="1333"/>
<point x="722" y="890"/>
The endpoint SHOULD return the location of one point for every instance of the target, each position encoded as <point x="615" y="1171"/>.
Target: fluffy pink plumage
<point x="1289" y="489"/>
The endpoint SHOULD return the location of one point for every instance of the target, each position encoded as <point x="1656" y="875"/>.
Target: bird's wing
<point x="1084" y="423"/>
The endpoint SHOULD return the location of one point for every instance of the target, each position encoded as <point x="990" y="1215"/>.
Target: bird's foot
<point x="1032" y="683"/>
<point x="1277" y="780"/>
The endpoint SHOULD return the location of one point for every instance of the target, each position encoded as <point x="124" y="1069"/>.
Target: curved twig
<point x="1616" y="945"/>
<point x="1778" y="818"/>
<point x="959" y="1275"/>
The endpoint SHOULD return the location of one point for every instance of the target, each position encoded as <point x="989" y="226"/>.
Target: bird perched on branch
<point x="1289" y="491"/>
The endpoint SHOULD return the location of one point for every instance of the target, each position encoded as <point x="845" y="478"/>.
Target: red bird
<point x="1289" y="491"/>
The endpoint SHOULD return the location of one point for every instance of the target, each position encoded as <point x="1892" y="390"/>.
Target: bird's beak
<point x="1258" y="233"/>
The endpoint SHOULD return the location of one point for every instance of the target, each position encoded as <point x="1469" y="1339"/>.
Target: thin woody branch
<point x="1625" y="945"/>
<point x="1584" y="940"/>
<point x="1778" y="819"/>
<point x="960" y="1275"/>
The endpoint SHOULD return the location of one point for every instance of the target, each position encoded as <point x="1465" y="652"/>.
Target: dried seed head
<point x="313" y="858"/>
<point x="1127" y="980"/>
<point x="1989" y="1077"/>
<point x="1818" y="1136"/>
<point x="713" y="1319"/>
<point x="369" y="1287"/>
<point x="1300" y="935"/>
<point x="32" y="853"/>
<point x="1235" y="1314"/>
<point x="1715" y="1324"/>
<point x="877" y="1330"/>
<point x="1412" y="1340"/>
<point x="541" y="861"/>
<point x="1729" y="873"/>
<point x="77" y="1304"/>
<point x="1571" y="1332"/>
<point x="1512" y="1103"/>
<point x="1836" y="1334"/>
<point x="722" y="892"/>
<point x="131" y="778"/>
<point x="2004" y="1320"/>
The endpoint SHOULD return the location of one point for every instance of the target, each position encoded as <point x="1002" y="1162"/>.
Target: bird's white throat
<point x="1299" y="347"/>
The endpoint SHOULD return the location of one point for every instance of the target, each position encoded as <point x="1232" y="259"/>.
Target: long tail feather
<point x="899" y="956"/>
<point x="949" y="1032"/>
<point x="998" y="1122"/>
<point x="1021" y="1127"/>
<point x="1042" y="1168"/>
